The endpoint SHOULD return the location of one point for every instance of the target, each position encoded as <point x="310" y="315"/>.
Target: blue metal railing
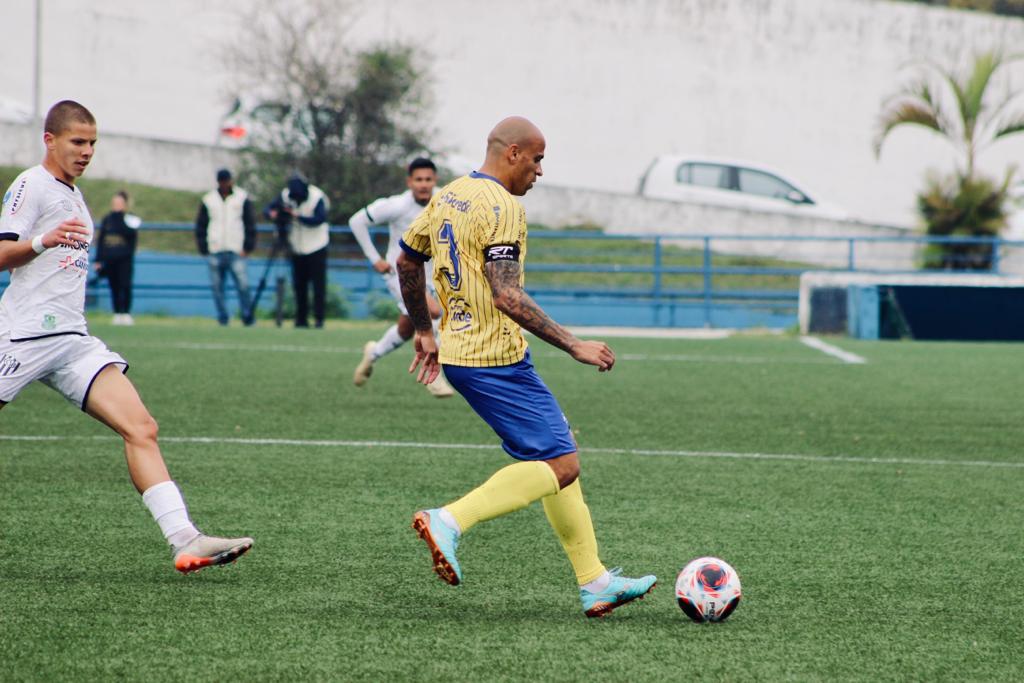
<point x="654" y="279"/>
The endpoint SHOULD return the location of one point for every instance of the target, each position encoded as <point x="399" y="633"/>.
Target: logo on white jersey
<point x="8" y="364"/>
<point x="49" y="321"/>
<point x="18" y="198"/>
<point x="66" y="205"/>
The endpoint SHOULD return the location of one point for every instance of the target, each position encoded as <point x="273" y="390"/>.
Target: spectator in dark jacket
<point x="225" y="235"/>
<point x="115" y="255"/>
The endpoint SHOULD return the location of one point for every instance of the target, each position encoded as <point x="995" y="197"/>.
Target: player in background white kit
<point x="397" y="211"/>
<point x="45" y="231"/>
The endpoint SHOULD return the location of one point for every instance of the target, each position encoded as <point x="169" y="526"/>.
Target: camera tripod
<point x="279" y="248"/>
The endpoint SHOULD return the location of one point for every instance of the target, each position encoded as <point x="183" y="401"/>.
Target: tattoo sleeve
<point x="413" y="282"/>
<point x="511" y="300"/>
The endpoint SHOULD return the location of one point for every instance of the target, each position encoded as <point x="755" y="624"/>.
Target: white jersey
<point x="397" y="212"/>
<point x="46" y="296"/>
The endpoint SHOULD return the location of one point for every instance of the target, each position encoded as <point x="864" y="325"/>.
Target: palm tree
<point x="963" y="109"/>
<point x="957" y="107"/>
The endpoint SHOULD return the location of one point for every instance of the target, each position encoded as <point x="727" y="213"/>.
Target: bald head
<point x="515" y="148"/>
<point x="514" y="130"/>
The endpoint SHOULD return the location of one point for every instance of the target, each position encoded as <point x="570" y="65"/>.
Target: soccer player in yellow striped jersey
<point x="474" y="229"/>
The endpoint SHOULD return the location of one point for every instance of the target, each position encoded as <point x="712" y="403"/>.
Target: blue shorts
<point x="518" y="406"/>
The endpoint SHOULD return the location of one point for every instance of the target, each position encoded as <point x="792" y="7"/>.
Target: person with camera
<point x="225" y="234"/>
<point x="300" y="212"/>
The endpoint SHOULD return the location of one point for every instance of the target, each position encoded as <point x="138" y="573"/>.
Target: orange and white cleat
<point x="209" y="551"/>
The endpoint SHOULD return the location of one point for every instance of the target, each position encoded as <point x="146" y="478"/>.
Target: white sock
<point x="449" y="521"/>
<point x="598" y="584"/>
<point x="168" y="509"/>
<point x="388" y="343"/>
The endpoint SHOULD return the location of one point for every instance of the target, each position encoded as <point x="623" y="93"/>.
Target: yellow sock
<point x="508" y="490"/>
<point x="569" y="516"/>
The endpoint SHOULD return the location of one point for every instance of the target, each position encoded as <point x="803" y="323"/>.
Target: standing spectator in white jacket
<point x="301" y="211"/>
<point x="225" y="235"/>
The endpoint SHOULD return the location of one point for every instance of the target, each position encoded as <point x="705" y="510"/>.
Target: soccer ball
<point x="708" y="589"/>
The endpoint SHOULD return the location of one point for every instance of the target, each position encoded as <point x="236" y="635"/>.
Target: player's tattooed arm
<point x="413" y="282"/>
<point x="511" y="300"/>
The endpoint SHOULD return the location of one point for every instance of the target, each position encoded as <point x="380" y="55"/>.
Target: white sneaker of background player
<point x="440" y="388"/>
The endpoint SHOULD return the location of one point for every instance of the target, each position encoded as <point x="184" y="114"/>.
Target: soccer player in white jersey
<point x="45" y="232"/>
<point x="397" y="212"/>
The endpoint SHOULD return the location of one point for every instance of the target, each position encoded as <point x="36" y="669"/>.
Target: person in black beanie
<point x="115" y="255"/>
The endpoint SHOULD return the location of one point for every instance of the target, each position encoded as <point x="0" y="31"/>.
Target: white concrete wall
<point x="165" y="163"/>
<point x="621" y="213"/>
<point x="796" y="84"/>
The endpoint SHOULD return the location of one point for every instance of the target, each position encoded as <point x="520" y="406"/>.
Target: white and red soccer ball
<point x="708" y="589"/>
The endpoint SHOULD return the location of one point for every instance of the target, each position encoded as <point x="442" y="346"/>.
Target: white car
<point x="255" y="122"/>
<point x="727" y="182"/>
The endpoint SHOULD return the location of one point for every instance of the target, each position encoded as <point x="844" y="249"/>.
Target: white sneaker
<point x="116" y="320"/>
<point x="208" y="551"/>
<point x="127" y="319"/>
<point x="365" y="367"/>
<point x="440" y="388"/>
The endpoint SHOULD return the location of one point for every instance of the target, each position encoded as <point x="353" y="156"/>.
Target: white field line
<point x="833" y="351"/>
<point x="652" y="332"/>
<point x="345" y="443"/>
<point x="291" y="348"/>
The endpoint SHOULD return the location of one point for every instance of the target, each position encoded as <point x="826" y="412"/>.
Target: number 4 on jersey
<point x="454" y="274"/>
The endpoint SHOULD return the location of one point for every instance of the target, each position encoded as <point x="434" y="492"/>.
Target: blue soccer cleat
<point x="620" y="591"/>
<point x="442" y="541"/>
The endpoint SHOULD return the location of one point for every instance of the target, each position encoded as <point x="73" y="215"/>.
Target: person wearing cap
<point x="225" y="234"/>
<point x="302" y="207"/>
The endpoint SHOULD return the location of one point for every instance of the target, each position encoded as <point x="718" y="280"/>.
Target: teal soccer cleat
<point x="620" y="591"/>
<point x="442" y="541"/>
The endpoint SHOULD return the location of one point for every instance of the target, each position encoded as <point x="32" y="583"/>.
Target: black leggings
<point x="119" y="275"/>
<point x="310" y="269"/>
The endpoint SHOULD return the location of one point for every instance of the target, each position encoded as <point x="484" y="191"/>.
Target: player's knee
<point x="141" y="430"/>
<point x="405" y="327"/>
<point x="566" y="469"/>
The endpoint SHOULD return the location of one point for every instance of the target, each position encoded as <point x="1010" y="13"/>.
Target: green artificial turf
<point x="872" y="512"/>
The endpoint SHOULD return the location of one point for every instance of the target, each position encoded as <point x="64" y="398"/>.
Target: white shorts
<point x="67" y="363"/>
<point x="391" y="280"/>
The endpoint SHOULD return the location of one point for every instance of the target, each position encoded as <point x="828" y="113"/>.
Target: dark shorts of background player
<point x="518" y="406"/>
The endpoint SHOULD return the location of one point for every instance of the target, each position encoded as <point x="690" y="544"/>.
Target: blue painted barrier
<point x="177" y="284"/>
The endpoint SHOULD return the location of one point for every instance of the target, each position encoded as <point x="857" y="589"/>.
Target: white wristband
<point x="37" y="244"/>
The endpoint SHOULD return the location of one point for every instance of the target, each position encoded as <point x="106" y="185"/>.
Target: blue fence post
<point x="851" y="263"/>
<point x="707" y="281"/>
<point x="996" y="244"/>
<point x="657" y="280"/>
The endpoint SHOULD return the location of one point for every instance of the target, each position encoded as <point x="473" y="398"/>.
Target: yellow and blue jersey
<point x="471" y="221"/>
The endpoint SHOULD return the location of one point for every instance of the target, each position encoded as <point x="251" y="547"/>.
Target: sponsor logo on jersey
<point x="74" y="263"/>
<point x="8" y="364"/>
<point x="67" y="205"/>
<point x="459" y="317"/>
<point x="49" y="321"/>
<point x="19" y="197"/>
<point x="462" y="206"/>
